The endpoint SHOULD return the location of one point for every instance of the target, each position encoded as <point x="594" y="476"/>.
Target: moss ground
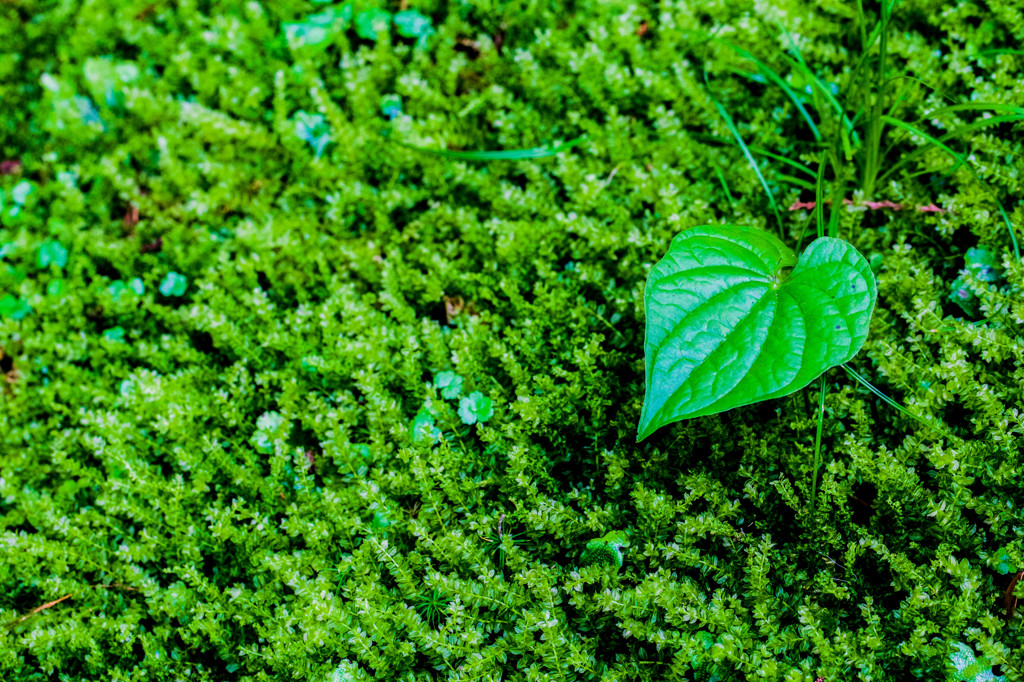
<point x="288" y="398"/>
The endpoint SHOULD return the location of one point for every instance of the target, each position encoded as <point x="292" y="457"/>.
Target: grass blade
<point x="919" y="133"/>
<point x="996" y="53"/>
<point x="746" y="151"/>
<point x="725" y="185"/>
<point x="500" y="155"/>
<point x="817" y="443"/>
<point x="963" y="130"/>
<point x="797" y="182"/>
<point x="760" y="152"/>
<point x="771" y="75"/>
<point x="960" y="161"/>
<point x="977" y="106"/>
<point x="819" y="198"/>
<point x="889" y="401"/>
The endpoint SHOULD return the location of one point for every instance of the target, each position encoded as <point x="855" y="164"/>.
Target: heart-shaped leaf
<point x="727" y="327"/>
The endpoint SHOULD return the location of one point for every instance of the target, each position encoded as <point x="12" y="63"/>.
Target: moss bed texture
<point x="293" y="390"/>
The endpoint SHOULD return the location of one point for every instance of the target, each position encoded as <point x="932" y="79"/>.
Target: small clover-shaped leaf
<point x="22" y="192"/>
<point x="313" y="129"/>
<point x="1003" y="562"/>
<point x="411" y="24"/>
<point x="476" y="407"/>
<point x="450" y="384"/>
<point x="317" y="31"/>
<point x="423" y="429"/>
<point x="348" y="671"/>
<point x="118" y="288"/>
<point x="391" y="106"/>
<point x="174" y="284"/>
<point x="106" y="79"/>
<point x="372" y="23"/>
<point x="983" y="264"/>
<point x="52" y="253"/>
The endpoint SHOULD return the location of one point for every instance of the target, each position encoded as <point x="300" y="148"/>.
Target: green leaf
<point x="966" y="667"/>
<point x="22" y="192"/>
<point x="270" y="426"/>
<point x="14" y="308"/>
<point x="372" y="23"/>
<point x="318" y="30"/>
<point x="52" y="253"/>
<point x="411" y="24"/>
<point x="450" y="384"/>
<point x="476" y="407"/>
<point x="423" y="429"/>
<point x="106" y="79"/>
<point x="313" y="129"/>
<point x="173" y="284"/>
<point x="727" y="327"/>
<point x="1003" y="562"/>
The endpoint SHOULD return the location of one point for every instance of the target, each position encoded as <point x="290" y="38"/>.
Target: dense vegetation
<point x="292" y="394"/>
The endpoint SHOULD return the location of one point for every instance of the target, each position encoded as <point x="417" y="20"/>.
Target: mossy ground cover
<point x="287" y="397"/>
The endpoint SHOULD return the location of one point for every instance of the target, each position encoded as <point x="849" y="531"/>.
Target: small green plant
<point x="702" y="663"/>
<point x="347" y="671"/>
<point x="853" y="118"/>
<point x="966" y="667"/>
<point x="52" y="253"/>
<point x="372" y="23"/>
<point x="606" y="550"/>
<point x="495" y="542"/>
<point x="411" y="24"/>
<point x="319" y="30"/>
<point x="431" y="606"/>
<point x="980" y="265"/>
<point x="449" y="383"/>
<point x="729" y="325"/>
<point x="174" y="284"/>
<point x="313" y="129"/>
<point x="391" y="106"/>
<point x="271" y="426"/>
<point x="475" y="408"/>
<point x="423" y="428"/>
<point x="118" y="288"/>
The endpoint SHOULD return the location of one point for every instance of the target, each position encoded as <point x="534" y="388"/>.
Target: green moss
<point x="226" y="432"/>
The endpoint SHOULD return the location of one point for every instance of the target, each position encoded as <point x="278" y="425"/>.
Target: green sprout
<point x="431" y="606"/>
<point x="495" y="542"/>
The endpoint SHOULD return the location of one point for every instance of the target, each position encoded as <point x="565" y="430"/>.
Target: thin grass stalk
<point x="875" y="124"/>
<point x="817" y="443"/>
<point x="892" y="403"/>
